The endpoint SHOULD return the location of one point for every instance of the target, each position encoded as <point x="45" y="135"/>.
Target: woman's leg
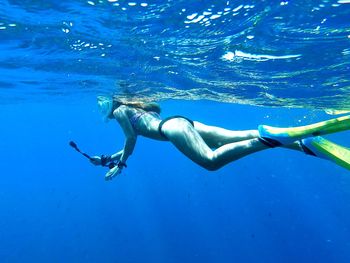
<point x="216" y="137"/>
<point x="190" y="142"/>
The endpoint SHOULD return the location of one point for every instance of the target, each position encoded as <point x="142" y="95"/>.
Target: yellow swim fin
<point x="285" y="136"/>
<point x="328" y="150"/>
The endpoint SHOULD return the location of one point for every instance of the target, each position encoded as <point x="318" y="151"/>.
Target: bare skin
<point x="209" y="146"/>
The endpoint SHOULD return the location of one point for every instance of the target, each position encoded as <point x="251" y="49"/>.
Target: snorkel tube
<point x="75" y="146"/>
<point x="105" y="160"/>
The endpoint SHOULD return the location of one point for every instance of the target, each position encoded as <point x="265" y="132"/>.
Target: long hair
<point x="146" y="106"/>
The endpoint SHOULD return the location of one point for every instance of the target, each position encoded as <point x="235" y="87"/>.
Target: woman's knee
<point x="211" y="165"/>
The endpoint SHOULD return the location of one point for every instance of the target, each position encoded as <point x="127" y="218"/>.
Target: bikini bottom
<point x="170" y="118"/>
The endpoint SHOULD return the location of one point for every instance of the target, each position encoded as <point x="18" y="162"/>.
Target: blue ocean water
<point x="232" y="64"/>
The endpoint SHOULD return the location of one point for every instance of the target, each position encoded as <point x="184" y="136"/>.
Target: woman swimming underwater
<point x="213" y="147"/>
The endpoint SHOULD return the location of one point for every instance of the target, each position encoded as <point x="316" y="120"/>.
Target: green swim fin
<point x="328" y="150"/>
<point x="283" y="136"/>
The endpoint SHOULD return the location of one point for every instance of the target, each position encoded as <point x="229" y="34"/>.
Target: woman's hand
<point x="113" y="172"/>
<point x="96" y="160"/>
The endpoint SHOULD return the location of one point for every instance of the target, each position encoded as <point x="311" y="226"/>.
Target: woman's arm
<point x="98" y="160"/>
<point x="116" y="156"/>
<point x="121" y="115"/>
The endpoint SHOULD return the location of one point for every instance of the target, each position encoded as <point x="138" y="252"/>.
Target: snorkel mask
<point x="105" y="106"/>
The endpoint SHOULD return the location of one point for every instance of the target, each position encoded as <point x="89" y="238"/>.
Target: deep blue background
<point x="273" y="206"/>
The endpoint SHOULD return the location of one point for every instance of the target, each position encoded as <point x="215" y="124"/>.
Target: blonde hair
<point x="146" y="106"/>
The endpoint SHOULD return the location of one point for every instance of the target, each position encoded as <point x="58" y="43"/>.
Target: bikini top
<point x="134" y="119"/>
